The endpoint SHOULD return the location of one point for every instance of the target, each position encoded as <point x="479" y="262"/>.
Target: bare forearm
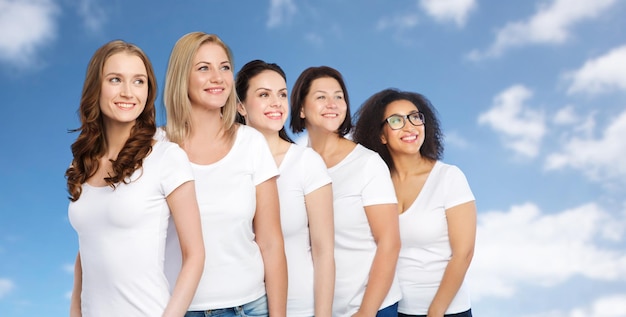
<point x="75" y="302"/>
<point x="380" y="279"/>
<point x="276" y="280"/>
<point x="324" y="268"/>
<point x="186" y="286"/>
<point x="450" y="283"/>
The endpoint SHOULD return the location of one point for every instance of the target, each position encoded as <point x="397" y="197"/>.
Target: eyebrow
<point x="122" y="75"/>
<point x="263" y="88"/>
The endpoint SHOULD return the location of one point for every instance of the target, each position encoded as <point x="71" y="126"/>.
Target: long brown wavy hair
<point x="91" y="143"/>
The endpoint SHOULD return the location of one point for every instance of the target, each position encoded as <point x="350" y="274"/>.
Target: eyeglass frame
<point x="405" y="118"/>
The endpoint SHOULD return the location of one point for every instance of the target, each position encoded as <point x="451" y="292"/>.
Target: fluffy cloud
<point x="551" y="24"/>
<point x="509" y="242"/>
<point x="6" y="286"/>
<point x="609" y="306"/>
<point x="600" y="158"/>
<point x="521" y="127"/>
<point x="280" y="11"/>
<point x="605" y="73"/>
<point x="25" y="27"/>
<point x="456" y="11"/>
<point x="93" y="15"/>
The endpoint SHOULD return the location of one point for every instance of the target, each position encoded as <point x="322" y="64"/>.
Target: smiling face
<point x="324" y="106"/>
<point x="409" y="138"/>
<point x="266" y="105"/>
<point x="211" y="77"/>
<point x="124" y="89"/>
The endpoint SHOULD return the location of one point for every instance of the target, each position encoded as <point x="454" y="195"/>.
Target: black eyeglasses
<point x="397" y="122"/>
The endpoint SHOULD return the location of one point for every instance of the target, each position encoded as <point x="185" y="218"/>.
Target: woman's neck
<point x="330" y="146"/>
<point x="408" y="165"/>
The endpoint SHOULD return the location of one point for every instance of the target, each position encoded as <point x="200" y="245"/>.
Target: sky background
<point x="531" y="95"/>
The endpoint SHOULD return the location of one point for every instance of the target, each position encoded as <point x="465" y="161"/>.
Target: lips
<point x="274" y="115"/>
<point x="124" y="105"/>
<point x="409" y="138"/>
<point x="330" y="115"/>
<point x="217" y="90"/>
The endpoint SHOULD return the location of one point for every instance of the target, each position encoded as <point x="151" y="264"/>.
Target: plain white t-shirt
<point x="426" y="251"/>
<point x="121" y="236"/>
<point x="302" y="171"/>
<point x="226" y="192"/>
<point x="360" y="179"/>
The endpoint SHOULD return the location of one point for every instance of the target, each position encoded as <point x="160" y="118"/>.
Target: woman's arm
<point x="319" y="205"/>
<point x="269" y="237"/>
<point x="186" y="215"/>
<point x="462" y="234"/>
<point x="383" y="221"/>
<point x="75" y="310"/>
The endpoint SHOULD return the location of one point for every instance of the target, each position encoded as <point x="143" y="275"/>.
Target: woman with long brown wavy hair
<point x="124" y="186"/>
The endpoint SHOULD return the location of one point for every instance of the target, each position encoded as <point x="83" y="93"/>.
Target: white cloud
<point x="567" y="244"/>
<point x="600" y="158"/>
<point x="280" y="12"/>
<point x="608" y="306"/>
<point x="566" y="116"/>
<point x="6" y="286"/>
<point x="455" y="139"/>
<point x="456" y="11"/>
<point x="521" y="128"/>
<point x="25" y="27"/>
<point x="551" y="24"/>
<point x="605" y="73"/>
<point x="93" y="15"/>
<point x="398" y="23"/>
<point x="611" y="306"/>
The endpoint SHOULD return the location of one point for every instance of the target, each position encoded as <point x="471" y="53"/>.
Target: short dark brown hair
<point x="301" y="89"/>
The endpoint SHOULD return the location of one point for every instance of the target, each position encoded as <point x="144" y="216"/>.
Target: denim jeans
<point x="389" y="311"/>
<point x="256" y="308"/>
<point x="467" y="313"/>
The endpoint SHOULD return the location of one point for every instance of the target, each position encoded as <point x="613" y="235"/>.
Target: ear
<point x="240" y="108"/>
<point x="302" y="113"/>
<point x="383" y="139"/>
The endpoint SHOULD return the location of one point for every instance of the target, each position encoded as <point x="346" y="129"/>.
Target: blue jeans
<point x="252" y="309"/>
<point x="389" y="311"/>
<point x="467" y="313"/>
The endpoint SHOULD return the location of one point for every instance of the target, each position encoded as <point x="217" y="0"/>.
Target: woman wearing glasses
<point x="436" y="205"/>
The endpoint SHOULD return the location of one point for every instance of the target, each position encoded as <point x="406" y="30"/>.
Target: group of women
<point x="220" y="213"/>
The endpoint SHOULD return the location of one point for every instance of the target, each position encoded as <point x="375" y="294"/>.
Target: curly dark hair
<point x="242" y="83"/>
<point x="90" y="145"/>
<point x="368" y="128"/>
<point x="301" y="89"/>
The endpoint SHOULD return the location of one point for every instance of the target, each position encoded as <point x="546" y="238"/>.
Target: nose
<point x="331" y="104"/>
<point x="275" y="101"/>
<point x="216" y="76"/>
<point x="126" y="90"/>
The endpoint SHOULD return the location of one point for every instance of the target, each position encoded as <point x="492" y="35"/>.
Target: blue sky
<point x="531" y="94"/>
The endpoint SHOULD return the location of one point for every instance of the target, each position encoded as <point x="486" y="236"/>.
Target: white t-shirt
<point x="302" y="171"/>
<point x="361" y="179"/>
<point x="425" y="251"/>
<point x="121" y="235"/>
<point x="226" y="191"/>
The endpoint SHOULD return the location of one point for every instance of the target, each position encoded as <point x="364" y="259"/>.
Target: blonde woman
<point x="245" y="272"/>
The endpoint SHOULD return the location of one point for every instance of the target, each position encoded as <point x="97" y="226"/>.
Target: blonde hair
<point x="176" y="95"/>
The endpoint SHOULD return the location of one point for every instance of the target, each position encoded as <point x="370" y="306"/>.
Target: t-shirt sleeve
<point x="458" y="189"/>
<point x="175" y="168"/>
<point x="315" y="171"/>
<point x="262" y="159"/>
<point x="378" y="188"/>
